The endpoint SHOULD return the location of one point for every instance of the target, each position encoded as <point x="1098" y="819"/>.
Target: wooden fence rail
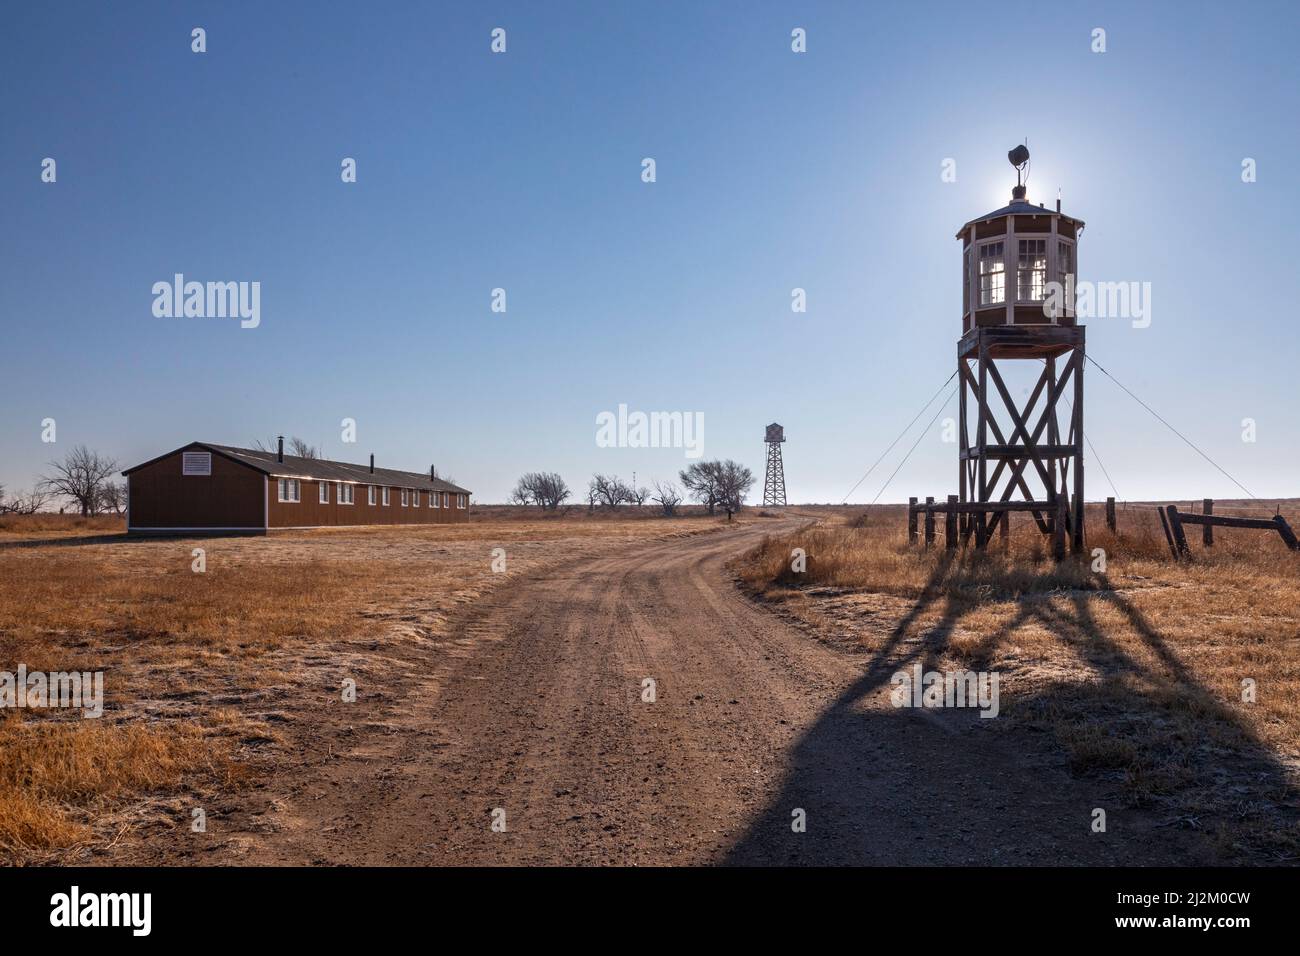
<point x="952" y="508"/>
<point x="1175" y="519"/>
<point x="1172" y="522"/>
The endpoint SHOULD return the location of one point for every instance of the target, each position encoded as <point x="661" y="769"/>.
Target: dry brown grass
<point x="47" y="524"/>
<point x="47" y="597"/>
<point x="54" y="775"/>
<point x="199" y="666"/>
<point x="1137" y="671"/>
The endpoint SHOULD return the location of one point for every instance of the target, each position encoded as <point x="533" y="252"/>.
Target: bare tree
<point x="638" y="496"/>
<point x="545" y="489"/>
<point x="549" y="489"/>
<point x="522" y="495"/>
<point x="608" y="490"/>
<point x="34" y="501"/>
<point x="296" y="447"/>
<point x="714" y="483"/>
<point x="24" y="504"/>
<point x="80" y="477"/>
<point x="599" y="490"/>
<point x="112" y="497"/>
<point x="555" y="491"/>
<point x="669" y="497"/>
<point x="300" y="449"/>
<point x="734" y="482"/>
<point x="701" y="480"/>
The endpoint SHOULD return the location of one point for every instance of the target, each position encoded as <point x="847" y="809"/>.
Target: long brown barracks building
<point x="209" y="488"/>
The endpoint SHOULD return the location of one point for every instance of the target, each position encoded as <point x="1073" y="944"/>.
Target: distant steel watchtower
<point x="1011" y="310"/>
<point x="774" y="482"/>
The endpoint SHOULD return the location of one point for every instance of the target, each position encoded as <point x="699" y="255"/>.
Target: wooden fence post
<point x="1058" y="527"/>
<point x="929" y="521"/>
<point x="1176" y="526"/>
<point x="1287" y="534"/>
<point x="1169" y="535"/>
<point x="950" y="524"/>
<point x="1207" y="530"/>
<point x="1004" y="531"/>
<point x="1110" y="515"/>
<point x="911" y="521"/>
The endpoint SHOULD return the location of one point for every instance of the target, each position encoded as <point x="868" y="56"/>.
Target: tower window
<point x="965" y="282"/>
<point x="1064" y="261"/>
<point x="1033" y="270"/>
<point x="992" y="274"/>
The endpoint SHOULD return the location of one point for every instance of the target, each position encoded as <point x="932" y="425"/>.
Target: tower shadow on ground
<point x="885" y="786"/>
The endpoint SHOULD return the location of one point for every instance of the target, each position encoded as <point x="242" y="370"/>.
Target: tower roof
<point x="1018" y="207"/>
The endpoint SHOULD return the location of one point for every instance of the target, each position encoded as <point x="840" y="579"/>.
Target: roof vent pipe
<point x="279" y="454"/>
<point x="372" y="463"/>
<point x="433" y="473"/>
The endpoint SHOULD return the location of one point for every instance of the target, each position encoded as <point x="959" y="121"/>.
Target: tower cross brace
<point x="774" y="481"/>
<point x="1033" y="459"/>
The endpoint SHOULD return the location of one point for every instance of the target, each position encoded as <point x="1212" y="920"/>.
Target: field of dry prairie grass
<point x="214" y="680"/>
<point x="207" y="674"/>
<point x="1138" y="671"/>
<point x="48" y="525"/>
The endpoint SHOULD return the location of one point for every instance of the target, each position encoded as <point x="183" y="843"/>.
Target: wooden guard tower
<point x="1021" y="453"/>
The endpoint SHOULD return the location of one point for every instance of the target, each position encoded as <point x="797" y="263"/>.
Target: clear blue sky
<point x="523" y="171"/>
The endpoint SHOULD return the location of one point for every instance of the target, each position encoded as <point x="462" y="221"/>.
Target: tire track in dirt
<point x="541" y="715"/>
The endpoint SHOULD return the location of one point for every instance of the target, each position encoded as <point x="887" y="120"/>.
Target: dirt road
<point x="536" y="709"/>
